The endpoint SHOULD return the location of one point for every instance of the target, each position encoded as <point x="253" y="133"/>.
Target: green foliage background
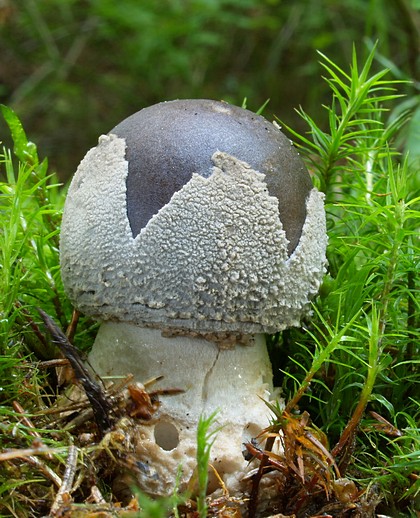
<point x="72" y="69"/>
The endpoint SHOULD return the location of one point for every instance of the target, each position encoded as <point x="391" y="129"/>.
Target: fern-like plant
<point x="357" y="362"/>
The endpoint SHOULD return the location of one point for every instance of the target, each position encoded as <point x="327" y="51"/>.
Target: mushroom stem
<point x="233" y="381"/>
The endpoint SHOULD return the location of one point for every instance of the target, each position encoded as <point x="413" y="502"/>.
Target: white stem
<point x="231" y="381"/>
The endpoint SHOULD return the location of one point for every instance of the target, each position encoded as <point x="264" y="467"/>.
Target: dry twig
<point x="66" y="486"/>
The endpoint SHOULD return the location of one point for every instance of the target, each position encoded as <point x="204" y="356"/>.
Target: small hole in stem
<point x="166" y="435"/>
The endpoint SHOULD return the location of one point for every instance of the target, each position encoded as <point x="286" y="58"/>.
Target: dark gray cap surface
<point x="168" y="142"/>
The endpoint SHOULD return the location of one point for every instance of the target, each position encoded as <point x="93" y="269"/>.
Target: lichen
<point x="214" y="259"/>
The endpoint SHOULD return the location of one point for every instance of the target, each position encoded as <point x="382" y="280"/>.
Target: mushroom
<point x="189" y="231"/>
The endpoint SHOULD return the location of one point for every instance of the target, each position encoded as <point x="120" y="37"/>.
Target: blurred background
<point x="72" y="69"/>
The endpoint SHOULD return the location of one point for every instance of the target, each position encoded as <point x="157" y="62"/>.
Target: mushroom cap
<point x="169" y="141"/>
<point x="214" y="257"/>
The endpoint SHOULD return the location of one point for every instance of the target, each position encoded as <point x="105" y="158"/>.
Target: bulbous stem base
<point x="234" y="382"/>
